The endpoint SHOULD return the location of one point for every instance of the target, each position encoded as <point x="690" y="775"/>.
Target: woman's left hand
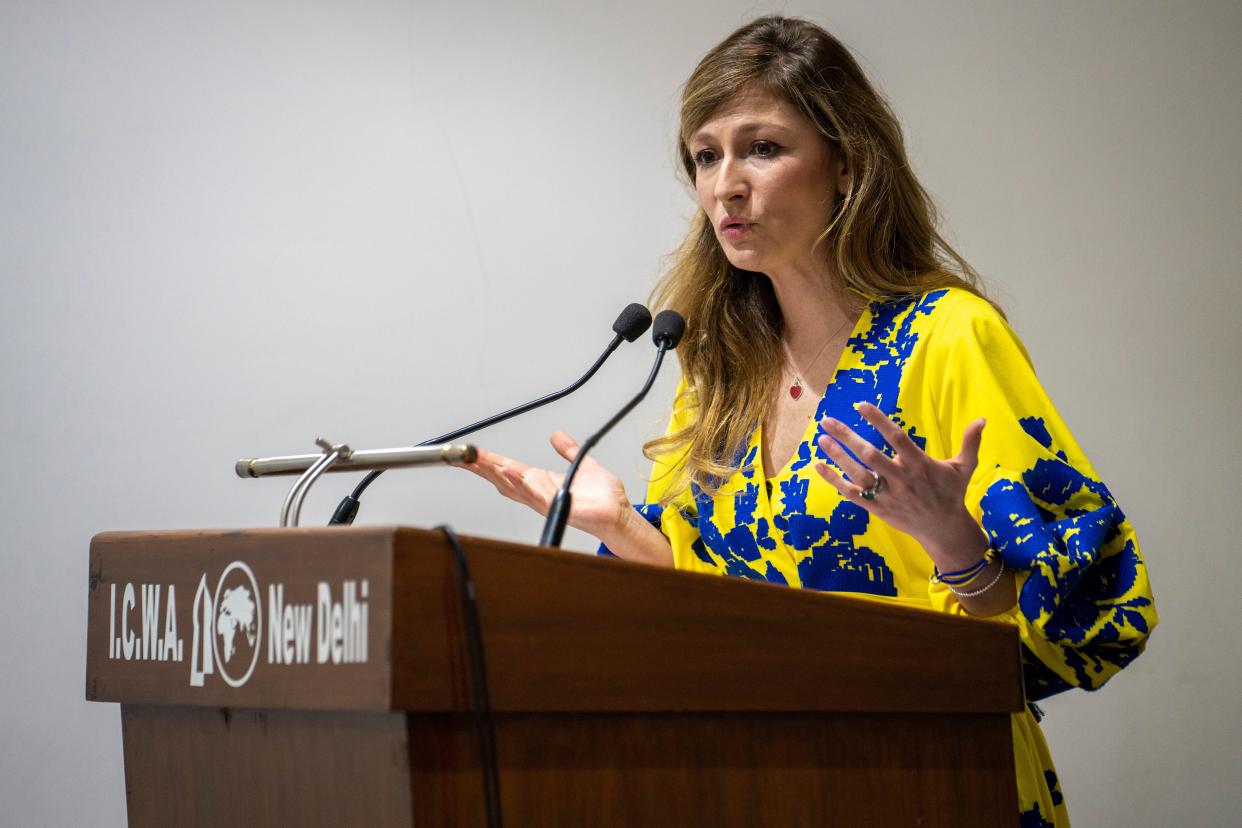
<point x="922" y="497"/>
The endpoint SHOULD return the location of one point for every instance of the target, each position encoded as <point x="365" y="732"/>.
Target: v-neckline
<point x="813" y="423"/>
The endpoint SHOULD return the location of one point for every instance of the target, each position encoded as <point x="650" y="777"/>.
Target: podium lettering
<point x="323" y="637"/>
<point x="302" y="631"/>
<point x="171" y="650"/>
<point x="341" y="626"/>
<point x="204" y="631"/>
<point x="112" y="622"/>
<point x="127" y="638"/>
<point x="288" y="628"/>
<point x="150" y="620"/>
<point x="277" y="649"/>
<point x="226" y="621"/>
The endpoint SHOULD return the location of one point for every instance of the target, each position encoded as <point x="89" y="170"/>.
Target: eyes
<point x="759" y="149"/>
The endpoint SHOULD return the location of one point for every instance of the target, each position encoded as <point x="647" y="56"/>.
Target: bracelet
<point x="962" y="576"/>
<point x="982" y="590"/>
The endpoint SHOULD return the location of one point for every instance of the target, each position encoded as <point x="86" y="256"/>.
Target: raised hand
<point x="599" y="503"/>
<point x="923" y="497"/>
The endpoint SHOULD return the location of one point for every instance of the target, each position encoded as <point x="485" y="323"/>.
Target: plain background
<point x="229" y="227"/>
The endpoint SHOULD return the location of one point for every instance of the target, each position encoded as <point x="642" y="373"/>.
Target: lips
<point x="735" y="227"/>
<point x="734" y="221"/>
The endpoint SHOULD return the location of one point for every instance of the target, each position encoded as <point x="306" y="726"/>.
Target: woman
<point x="933" y="469"/>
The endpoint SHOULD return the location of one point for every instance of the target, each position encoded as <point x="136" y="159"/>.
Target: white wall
<point x="462" y="199"/>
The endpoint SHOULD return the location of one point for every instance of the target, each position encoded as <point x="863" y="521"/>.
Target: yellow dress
<point x="934" y="363"/>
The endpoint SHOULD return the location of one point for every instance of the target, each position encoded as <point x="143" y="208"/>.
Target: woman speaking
<point x="854" y="415"/>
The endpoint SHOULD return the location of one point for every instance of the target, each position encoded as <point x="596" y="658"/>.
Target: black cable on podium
<point x="484" y="727"/>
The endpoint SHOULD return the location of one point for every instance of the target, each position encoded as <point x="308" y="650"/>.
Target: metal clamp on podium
<point x="340" y="457"/>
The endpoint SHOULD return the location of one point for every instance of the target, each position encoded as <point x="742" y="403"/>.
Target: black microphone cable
<point x="630" y="325"/>
<point x="667" y="331"/>
<point x="484" y="726"/>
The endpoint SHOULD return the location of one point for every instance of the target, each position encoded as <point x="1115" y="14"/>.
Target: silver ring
<point x="874" y="489"/>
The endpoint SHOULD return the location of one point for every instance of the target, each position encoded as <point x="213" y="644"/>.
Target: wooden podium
<point x="321" y="677"/>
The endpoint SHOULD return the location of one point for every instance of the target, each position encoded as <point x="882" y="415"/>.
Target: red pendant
<point x="795" y="390"/>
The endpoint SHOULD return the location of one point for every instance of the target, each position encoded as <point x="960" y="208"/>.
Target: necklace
<point x="795" y="390"/>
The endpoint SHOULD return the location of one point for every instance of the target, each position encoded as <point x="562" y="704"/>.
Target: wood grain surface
<point x="563" y="632"/>
<point x="187" y="766"/>
<point x="625" y="695"/>
<point x="722" y="770"/>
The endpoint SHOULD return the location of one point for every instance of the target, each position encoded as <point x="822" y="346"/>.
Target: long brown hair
<point x="881" y="240"/>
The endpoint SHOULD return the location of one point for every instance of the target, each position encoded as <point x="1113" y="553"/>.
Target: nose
<point x="731" y="182"/>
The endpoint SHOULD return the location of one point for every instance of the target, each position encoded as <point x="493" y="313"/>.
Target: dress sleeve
<point x="676" y="518"/>
<point x="1085" y="606"/>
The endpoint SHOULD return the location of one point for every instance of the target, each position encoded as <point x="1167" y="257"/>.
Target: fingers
<point x="838" y="434"/>
<point x="855" y="470"/>
<point x="490" y="466"/>
<point x="848" y="490"/>
<point x="565" y="445"/>
<point x="892" y="433"/>
<point x="533" y="487"/>
<point x="498" y="470"/>
<point x="968" y="458"/>
<point x="514" y="479"/>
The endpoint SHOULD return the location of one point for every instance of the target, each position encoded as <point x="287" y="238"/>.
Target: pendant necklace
<point x="795" y="390"/>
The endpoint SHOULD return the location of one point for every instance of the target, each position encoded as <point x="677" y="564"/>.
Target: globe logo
<point x="239" y="622"/>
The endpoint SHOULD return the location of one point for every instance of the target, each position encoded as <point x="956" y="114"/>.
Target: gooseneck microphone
<point x="666" y="332"/>
<point x="631" y="323"/>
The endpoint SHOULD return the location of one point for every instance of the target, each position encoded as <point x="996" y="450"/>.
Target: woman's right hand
<point x="599" y="507"/>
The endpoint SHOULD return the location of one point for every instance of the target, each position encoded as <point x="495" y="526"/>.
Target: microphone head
<point x="668" y="328"/>
<point x="633" y="322"/>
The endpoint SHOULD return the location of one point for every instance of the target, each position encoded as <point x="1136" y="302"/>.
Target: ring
<point x="874" y="489"/>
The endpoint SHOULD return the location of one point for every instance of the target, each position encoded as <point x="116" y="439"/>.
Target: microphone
<point x="631" y="323"/>
<point x="666" y="332"/>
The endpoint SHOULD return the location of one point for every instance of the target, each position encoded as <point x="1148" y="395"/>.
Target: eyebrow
<point x="745" y="127"/>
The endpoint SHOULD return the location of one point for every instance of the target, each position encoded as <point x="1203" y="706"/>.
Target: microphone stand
<point x="340" y="458"/>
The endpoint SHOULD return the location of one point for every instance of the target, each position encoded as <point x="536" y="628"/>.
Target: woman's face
<point x="767" y="181"/>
